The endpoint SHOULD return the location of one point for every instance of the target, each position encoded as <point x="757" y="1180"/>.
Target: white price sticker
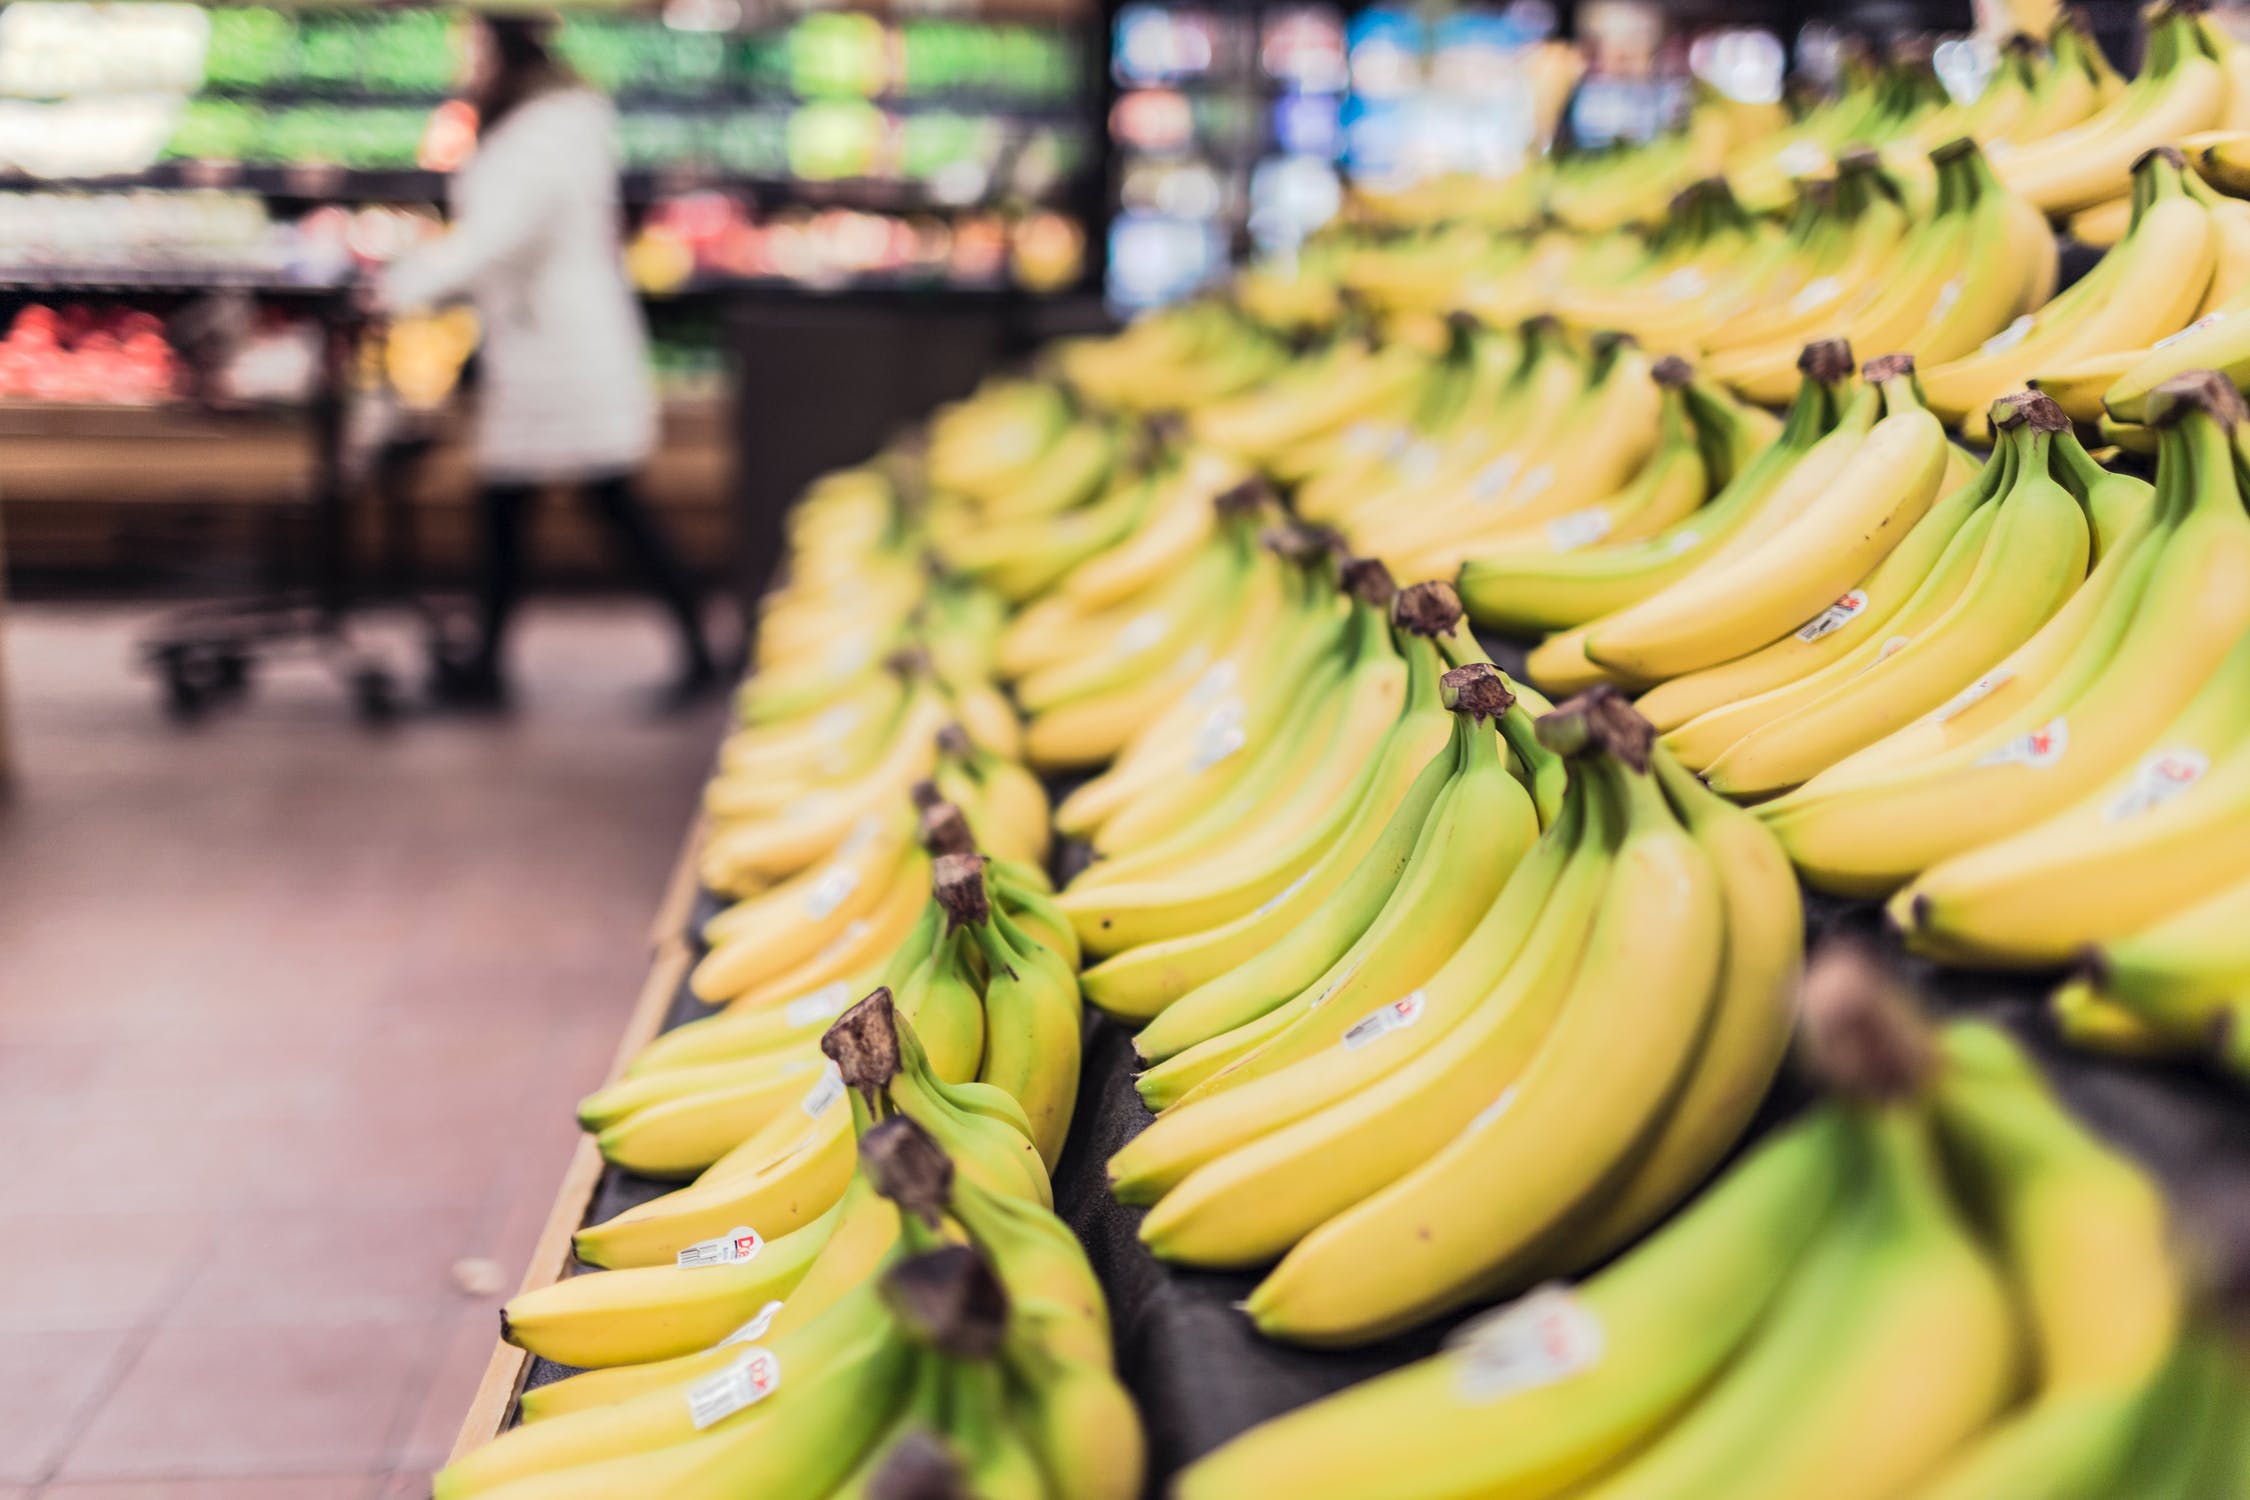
<point x="1889" y="649"/>
<point x="838" y="722"/>
<point x="738" y="1246"/>
<point x="1683" y="285"/>
<point x="752" y="1331"/>
<point x="1818" y="292"/>
<point x="1139" y="633"/>
<point x="824" y="1094"/>
<point x="1536" y="482"/>
<point x="1396" y="1016"/>
<point x="1219" y="739"/>
<point x="1835" y="617"/>
<point x="1947" y="295"/>
<point x="1214" y="684"/>
<point x="746" y="1382"/>
<point x="1581" y="528"/>
<point x="1970" y="696"/>
<point x="823" y="1004"/>
<point x="2157" y="780"/>
<point x="1801" y="159"/>
<point x="1494" y="477"/>
<point x="863" y="833"/>
<point x="1686" y="541"/>
<point x="2038" y="749"/>
<point x="1366" y="438"/>
<point x="830" y="889"/>
<point x="1418" y="461"/>
<point x="1546" y="1335"/>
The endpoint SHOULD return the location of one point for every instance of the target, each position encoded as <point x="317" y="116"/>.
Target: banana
<point x="1481" y="827"/>
<point x="2084" y="1236"/>
<point x="658" y="1312"/>
<point x="1522" y="1403"/>
<point x="2143" y="845"/>
<point x="2147" y="287"/>
<point x="1197" y="883"/>
<point x="1240" y="1176"/>
<point x="2187" y="977"/>
<point x="1839" y="628"/>
<point x="737" y="970"/>
<point x="1890" y="1347"/>
<point x="1031" y="1009"/>
<point x="1139" y="982"/>
<point x="1317" y="951"/>
<point x="2181" y="90"/>
<point x="1872" y="833"/>
<point x="2032" y="562"/>
<point x="1752" y="1021"/>
<point x="1521" y="593"/>
<point x="1871" y="493"/>
<point x="663" y="1421"/>
<point x="1439" y="1246"/>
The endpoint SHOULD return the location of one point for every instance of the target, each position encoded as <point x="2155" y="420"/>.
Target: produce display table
<point x="1194" y="1364"/>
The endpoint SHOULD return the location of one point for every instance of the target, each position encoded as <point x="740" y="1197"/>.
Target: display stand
<point x="1199" y="1372"/>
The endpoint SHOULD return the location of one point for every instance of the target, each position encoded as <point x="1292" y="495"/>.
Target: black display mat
<point x="1201" y="1374"/>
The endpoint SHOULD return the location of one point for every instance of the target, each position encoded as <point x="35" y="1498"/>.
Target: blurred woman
<point x="566" y="398"/>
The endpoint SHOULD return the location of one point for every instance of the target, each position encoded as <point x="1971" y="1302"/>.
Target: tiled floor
<point x="291" y="1020"/>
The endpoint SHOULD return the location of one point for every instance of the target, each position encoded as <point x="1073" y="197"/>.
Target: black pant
<point x="505" y="506"/>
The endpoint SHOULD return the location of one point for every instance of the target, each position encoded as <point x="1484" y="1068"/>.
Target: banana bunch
<point x="2152" y="284"/>
<point x="1877" y="102"/>
<point x="2116" y="386"/>
<point x="994" y="1037"/>
<point x="1471" y="1036"/>
<point x="653" y="1324"/>
<point x="2036" y="89"/>
<point x="2068" y="716"/>
<point x="1981" y="572"/>
<point x="936" y="1317"/>
<point x="1101" y="658"/>
<point x="1936" y="1286"/>
<point x="1709" y="260"/>
<point x="1179" y="358"/>
<point x="1353" y="376"/>
<point x="1937" y="286"/>
<point x="984" y="443"/>
<point x="1542" y="461"/>
<point x="1281" y="722"/>
<point x="1297" y="871"/>
<point x="2191" y="80"/>
<point x="2175" y="987"/>
<point x="995" y="999"/>
<point x="1422" y="879"/>
<point x="1745" y="459"/>
<point x="1817" y="511"/>
<point x="820" y="768"/>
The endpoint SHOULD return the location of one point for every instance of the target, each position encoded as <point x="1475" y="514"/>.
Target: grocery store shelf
<point x="121" y="279"/>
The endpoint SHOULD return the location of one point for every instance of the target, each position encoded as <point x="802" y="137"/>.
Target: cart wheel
<point x="230" y="674"/>
<point x="184" y="697"/>
<point x="374" y="695"/>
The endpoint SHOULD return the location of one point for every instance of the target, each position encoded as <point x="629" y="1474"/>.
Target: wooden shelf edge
<point x="496" y="1394"/>
<point x="680" y="891"/>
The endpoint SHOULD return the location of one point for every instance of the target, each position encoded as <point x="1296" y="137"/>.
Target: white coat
<point x="566" y="391"/>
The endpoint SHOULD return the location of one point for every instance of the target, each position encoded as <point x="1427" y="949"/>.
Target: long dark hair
<point x="524" y="66"/>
